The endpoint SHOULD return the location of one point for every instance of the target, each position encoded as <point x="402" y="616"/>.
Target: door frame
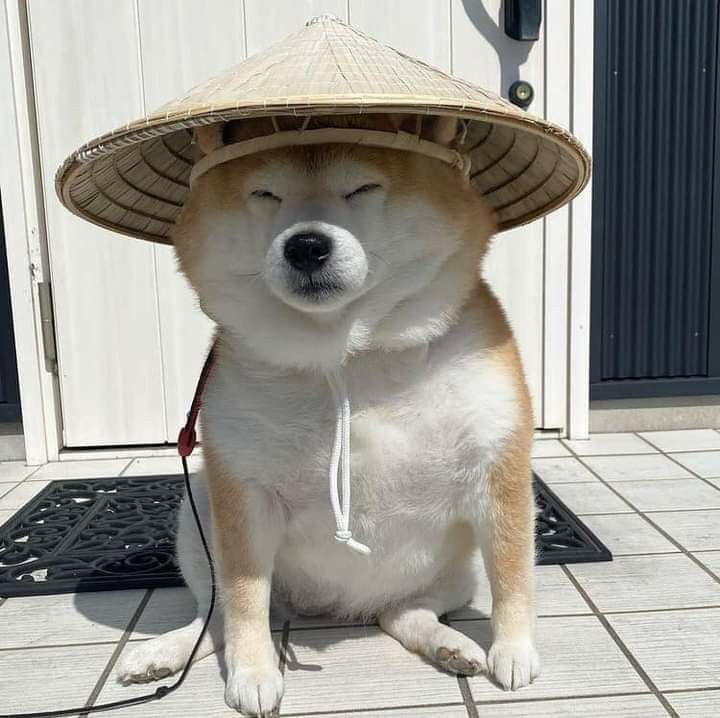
<point x="567" y="232"/>
<point x="28" y="267"/>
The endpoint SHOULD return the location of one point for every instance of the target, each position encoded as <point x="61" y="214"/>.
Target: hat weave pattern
<point x="135" y="179"/>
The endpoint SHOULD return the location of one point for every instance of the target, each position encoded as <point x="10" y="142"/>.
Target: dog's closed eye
<point x="265" y="194"/>
<point x="363" y="189"/>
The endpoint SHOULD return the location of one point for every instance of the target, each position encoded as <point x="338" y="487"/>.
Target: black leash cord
<point x="162" y="691"/>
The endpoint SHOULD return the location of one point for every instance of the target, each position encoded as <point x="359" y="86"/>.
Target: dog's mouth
<point x="316" y="290"/>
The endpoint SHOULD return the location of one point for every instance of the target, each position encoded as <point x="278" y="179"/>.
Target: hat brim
<point x="135" y="180"/>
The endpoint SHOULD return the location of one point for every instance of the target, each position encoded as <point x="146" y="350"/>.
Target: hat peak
<point x="327" y="17"/>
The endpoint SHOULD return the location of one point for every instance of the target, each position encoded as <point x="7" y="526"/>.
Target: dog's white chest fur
<point x="425" y="424"/>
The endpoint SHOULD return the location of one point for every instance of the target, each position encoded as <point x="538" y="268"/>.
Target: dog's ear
<point x="443" y="130"/>
<point x="210" y="137"/>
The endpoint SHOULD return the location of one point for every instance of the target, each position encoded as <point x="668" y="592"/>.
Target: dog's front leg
<point x="248" y="526"/>
<point x="509" y="553"/>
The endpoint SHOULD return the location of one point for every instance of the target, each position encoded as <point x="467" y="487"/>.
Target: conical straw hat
<point x="135" y="179"/>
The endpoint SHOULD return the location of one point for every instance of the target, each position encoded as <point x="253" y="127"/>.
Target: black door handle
<point x="522" y="19"/>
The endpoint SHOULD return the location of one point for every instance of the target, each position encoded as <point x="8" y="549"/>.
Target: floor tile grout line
<point x="462" y="681"/>
<point x="652" y="511"/>
<point x="587" y="482"/>
<point x="365" y="709"/>
<point x="333" y="625"/>
<point x="102" y="454"/>
<point x="553" y="456"/>
<point x="12" y="488"/>
<point x="102" y="680"/>
<point x="143" y="639"/>
<point x="547" y="699"/>
<point x="705" y="689"/>
<point x="284" y="641"/>
<point x="620" y="644"/>
<point x="467" y="696"/>
<point x="632" y="611"/>
<point x="625" y="612"/>
<point x="482" y="703"/>
<point x="87" y="644"/>
<point x="127" y="466"/>
<point x="574" y="452"/>
<point x="624" y="481"/>
<point x="101" y="475"/>
<point x="32" y="473"/>
<point x="666" y="451"/>
<point x="675" y="461"/>
<point x="659" y="529"/>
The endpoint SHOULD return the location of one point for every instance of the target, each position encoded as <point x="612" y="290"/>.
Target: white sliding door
<point x="130" y="337"/>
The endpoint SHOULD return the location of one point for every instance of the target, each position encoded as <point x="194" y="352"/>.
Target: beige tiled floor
<point x="634" y="638"/>
<point x="635" y="468"/>
<point x="562" y="470"/>
<point x="703" y="463"/>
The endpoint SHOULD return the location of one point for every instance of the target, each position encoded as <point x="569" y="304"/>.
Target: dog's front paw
<point x="459" y="654"/>
<point x="513" y="664"/>
<point x="254" y="691"/>
<point x="152" y="660"/>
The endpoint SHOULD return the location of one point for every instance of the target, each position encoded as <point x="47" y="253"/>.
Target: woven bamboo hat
<point x="135" y="179"/>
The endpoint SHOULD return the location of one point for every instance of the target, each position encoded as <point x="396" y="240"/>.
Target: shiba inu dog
<point x="360" y="265"/>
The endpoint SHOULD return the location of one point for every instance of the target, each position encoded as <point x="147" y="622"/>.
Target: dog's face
<point x="308" y="254"/>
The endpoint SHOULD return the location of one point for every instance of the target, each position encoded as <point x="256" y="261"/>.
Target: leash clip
<point x="187" y="439"/>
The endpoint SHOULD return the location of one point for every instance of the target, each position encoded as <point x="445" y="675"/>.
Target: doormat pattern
<point x="117" y="533"/>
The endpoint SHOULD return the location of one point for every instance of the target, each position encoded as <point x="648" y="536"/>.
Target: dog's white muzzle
<point x="316" y="266"/>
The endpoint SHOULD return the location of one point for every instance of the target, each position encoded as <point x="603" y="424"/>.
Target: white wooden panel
<point x="482" y="53"/>
<point x="268" y="22"/>
<point x="420" y="28"/>
<point x="581" y="227"/>
<point x="558" y="66"/>
<point x="183" y="42"/>
<point x="86" y="72"/>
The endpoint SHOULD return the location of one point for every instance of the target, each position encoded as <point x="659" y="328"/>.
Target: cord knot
<point x="346" y="538"/>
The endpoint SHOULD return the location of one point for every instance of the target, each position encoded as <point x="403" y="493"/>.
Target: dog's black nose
<point x="307" y="251"/>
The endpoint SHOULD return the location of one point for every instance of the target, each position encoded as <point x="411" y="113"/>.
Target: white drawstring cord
<point x="340" y="464"/>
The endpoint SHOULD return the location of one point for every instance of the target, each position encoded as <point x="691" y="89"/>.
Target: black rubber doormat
<point x="116" y="533"/>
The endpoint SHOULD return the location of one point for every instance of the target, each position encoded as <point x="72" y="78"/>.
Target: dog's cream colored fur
<point x="441" y="420"/>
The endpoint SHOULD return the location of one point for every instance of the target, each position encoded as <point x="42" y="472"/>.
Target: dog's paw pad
<point x="255" y="691"/>
<point x="513" y="664"/>
<point x="145" y="675"/>
<point x="466" y="660"/>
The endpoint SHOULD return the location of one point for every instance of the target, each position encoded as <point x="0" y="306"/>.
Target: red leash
<point x="187" y="439"/>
